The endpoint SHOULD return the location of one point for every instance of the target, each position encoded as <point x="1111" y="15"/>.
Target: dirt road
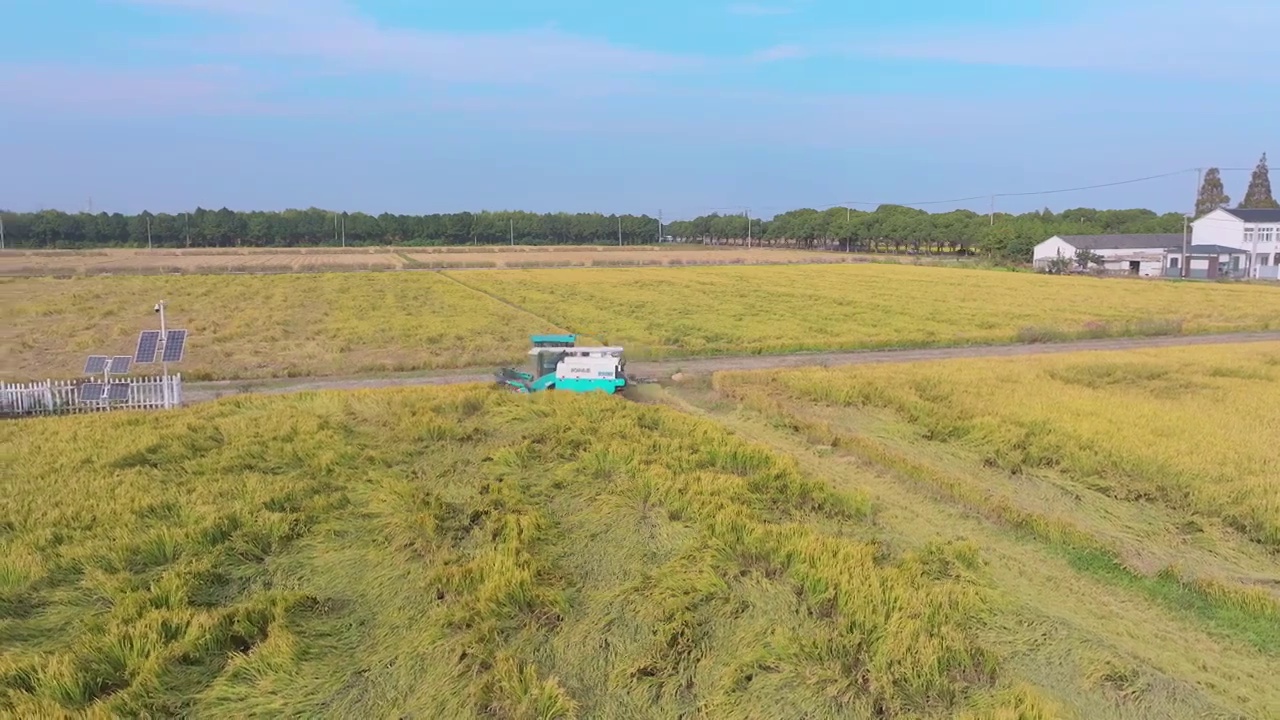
<point x="653" y="371"/>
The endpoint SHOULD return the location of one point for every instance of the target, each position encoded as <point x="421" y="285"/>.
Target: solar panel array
<point x="96" y="364"/>
<point x="120" y="364"/>
<point x="118" y="391"/>
<point x="148" y="344"/>
<point x="175" y="342"/>
<point x="91" y="392"/>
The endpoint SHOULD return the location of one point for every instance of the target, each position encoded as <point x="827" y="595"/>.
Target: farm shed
<point x="1133" y="254"/>
<point x="1208" y="261"/>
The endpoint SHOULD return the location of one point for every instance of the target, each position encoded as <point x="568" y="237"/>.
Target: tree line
<point x="888" y="228"/>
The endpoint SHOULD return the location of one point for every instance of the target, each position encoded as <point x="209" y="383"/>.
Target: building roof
<point x="1123" y="242"/>
<point x="1254" y="215"/>
<point x="1211" y="250"/>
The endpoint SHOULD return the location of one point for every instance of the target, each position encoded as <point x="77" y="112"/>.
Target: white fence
<point x="59" y="397"/>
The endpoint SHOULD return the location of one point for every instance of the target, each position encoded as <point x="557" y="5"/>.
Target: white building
<point x="1143" y="255"/>
<point x="1257" y="232"/>
<point x="1207" y="262"/>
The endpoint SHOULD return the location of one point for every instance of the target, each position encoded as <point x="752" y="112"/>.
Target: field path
<point x="653" y="371"/>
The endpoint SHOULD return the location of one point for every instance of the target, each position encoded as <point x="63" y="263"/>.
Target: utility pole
<point x="148" y="232"/>
<point x="186" y="221"/>
<point x="344" y="231"/>
<point x="512" y="229"/>
<point x="1" y="232"/>
<point x="335" y="227"/>
<point x="619" y="231"/>
<point x="993" y="209"/>
<point x="659" y="226"/>
<point x="1182" y="270"/>
<point x="747" y="212"/>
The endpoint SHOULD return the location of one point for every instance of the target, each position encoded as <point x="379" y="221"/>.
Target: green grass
<point x="462" y="552"/>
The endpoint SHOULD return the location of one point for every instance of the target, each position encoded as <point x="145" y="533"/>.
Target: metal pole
<point x="619" y="231"/>
<point x="164" y="365"/>
<point x="186" y="219"/>
<point x="747" y="212"/>
<point x="148" y="232"/>
<point x="1183" y="272"/>
<point x="993" y="209"/>
<point x="344" y="231"/>
<point x="1" y="232"/>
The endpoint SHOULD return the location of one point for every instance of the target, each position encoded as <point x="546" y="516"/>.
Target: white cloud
<point x="1176" y="38"/>
<point x="334" y="33"/>
<point x="195" y="89"/>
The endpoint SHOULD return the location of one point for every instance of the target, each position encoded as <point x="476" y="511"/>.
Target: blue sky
<point x="434" y="106"/>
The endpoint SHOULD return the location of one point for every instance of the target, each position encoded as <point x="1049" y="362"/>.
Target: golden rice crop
<point x="349" y="323"/>
<point x="462" y="552"/>
<point x="1194" y="428"/>
<point x="261" y="326"/>
<point x="674" y="312"/>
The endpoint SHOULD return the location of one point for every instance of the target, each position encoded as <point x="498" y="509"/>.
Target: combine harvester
<point x="559" y="364"/>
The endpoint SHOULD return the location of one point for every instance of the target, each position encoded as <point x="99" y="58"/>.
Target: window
<point x="1265" y="234"/>
<point x="1248" y="234"/>
<point x="1173" y="263"/>
<point x="1262" y="259"/>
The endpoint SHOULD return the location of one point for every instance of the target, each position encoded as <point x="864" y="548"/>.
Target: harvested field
<point x="464" y="553"/>
<point x="22" y="263"/>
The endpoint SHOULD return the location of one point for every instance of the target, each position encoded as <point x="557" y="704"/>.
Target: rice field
<point x="462" y="552"/>
<point x="1125" y="503"/>
<point x="1191" y="428"/>
<point x="750" y="310"/>
<point x="363" y="323"/>
<point x="262" y="326"/>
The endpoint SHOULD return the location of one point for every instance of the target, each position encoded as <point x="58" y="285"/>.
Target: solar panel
<point x="95" y="364"/>
<point x="120" y="364"/>
<point x="175" y="342"/>
<point x="90" y="392"/>
<point x="118" y="391"/>
<point x="148" y="343"/>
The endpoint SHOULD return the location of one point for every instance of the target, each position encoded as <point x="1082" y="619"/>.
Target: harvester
<point x="559" y="363"/>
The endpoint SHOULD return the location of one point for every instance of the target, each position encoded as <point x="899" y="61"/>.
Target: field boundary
<point x="663" y="369"/>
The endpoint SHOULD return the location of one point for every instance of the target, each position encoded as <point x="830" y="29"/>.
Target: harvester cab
<point x="558" y="363"/>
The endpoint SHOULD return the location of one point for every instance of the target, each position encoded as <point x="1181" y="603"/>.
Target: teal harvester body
<point x="560" y="364"/>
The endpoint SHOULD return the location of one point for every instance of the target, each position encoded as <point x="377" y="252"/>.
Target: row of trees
<point x="889" y="228"/>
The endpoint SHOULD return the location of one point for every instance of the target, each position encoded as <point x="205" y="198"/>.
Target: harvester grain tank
<point x="558" y="363"/>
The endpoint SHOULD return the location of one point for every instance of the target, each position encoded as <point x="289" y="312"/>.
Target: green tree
<point x="1258" y="196"/>
<point x="1212" y="195"/>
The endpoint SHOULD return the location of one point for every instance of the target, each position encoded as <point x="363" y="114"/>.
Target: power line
<point x="988" y="196"/>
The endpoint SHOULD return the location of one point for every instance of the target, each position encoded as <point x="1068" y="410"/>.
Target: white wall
<point x="1050" y="249"/>
<point x="1218" y="228"/>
